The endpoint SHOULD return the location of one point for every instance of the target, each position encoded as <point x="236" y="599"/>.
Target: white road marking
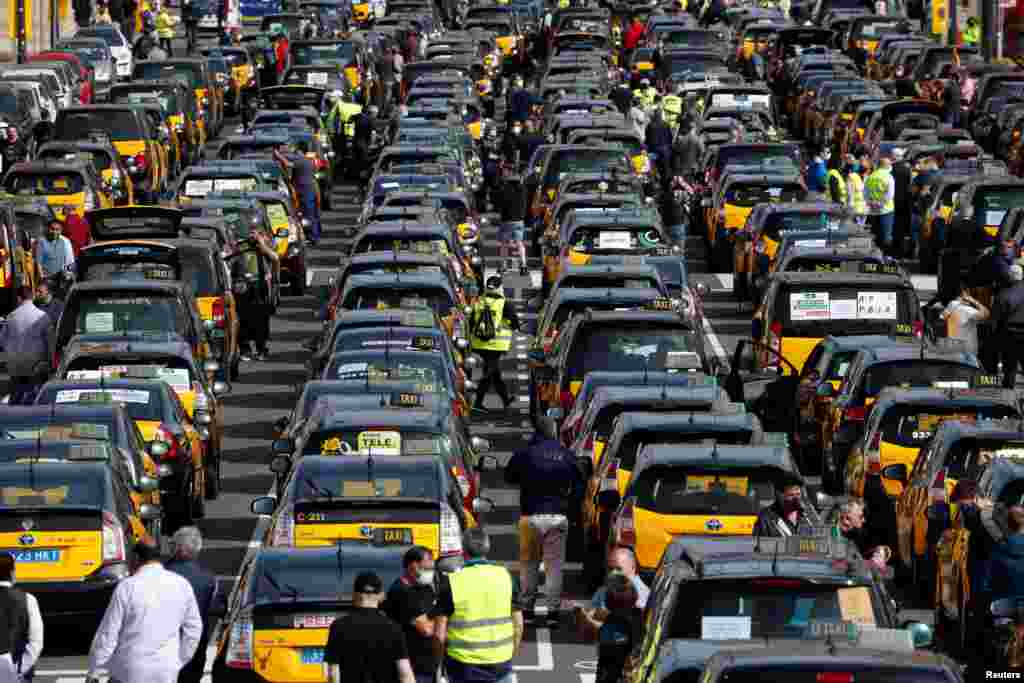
<point x="712" y="338"/>
<point x="588" y="678"/>
<point x="545" y="654"/>
<point x="78" y="675"/>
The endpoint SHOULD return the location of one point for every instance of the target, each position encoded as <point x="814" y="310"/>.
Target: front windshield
<point x="201" y="187"/>
<point x="382" y="441"/>
<point x="843" y="311"/>
<point x="583" y="161"/>
<point x="427" y="369"/>
<point x="752" y="194"/>
<point x="153" y="71"/>
<point x="167" y="99"/>
<point x="330" y="53"/>
<point x="44" y="183"/>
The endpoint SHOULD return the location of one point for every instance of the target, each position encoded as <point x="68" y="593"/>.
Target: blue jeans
<point x="311" y="212"/>
<point x="885" y="223"/>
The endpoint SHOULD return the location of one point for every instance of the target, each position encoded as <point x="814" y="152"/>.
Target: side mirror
<point x="921" y="634"/>
<point x="203" y="419"/>
<point x="264" y="506"/>
<point x="221" y="388"/>
<point x="149" y="513"/>
<point x="157" y="449"/>
<point x="555" y="413"/>
<point x="282" y="446"/>
<point x="461" y="343"/>
<point x="825" y="390"/>
<point x="480" y="445"/>
<point x="609" y="500"/>
<point x="483" y="505"/>
<point x="897" y="472"/>
<point x="148" y="484"/>
<point x="471" y="362"/>
<point x="280" y="464"/>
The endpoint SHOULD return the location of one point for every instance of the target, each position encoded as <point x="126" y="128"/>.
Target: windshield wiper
<point x="317" y="489"/>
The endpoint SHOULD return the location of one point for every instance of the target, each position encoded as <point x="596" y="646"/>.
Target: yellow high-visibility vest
<point x="840" y="183"/>
<point x="349" y="112"/>
<point x="855" y="192"/>
<point x="876" y="186"/>
<point x="502" y="333"/>
<point x="480" y="630"/>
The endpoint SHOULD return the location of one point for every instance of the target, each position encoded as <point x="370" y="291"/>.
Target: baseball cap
<point x="368" y="582"/>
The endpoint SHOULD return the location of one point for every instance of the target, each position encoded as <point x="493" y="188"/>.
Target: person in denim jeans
<point x="549" y="479"/>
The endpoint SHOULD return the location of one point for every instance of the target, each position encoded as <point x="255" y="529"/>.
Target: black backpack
<point x="486" y="327"/>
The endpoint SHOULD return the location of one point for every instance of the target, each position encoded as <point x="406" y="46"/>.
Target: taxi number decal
<point x="313" y="655"/>
<point x="36" y="556"/>
<point x="313" y="621"/>
<point x="661" y="304"/>
<point x="381" y="443"/>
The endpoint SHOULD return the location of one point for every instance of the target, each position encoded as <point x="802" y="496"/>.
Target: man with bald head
<point x="621" y="562"/>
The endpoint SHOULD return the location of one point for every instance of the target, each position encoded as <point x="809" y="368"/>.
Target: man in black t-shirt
<point x="364" y="645"/>
<point x="410" y="604"/>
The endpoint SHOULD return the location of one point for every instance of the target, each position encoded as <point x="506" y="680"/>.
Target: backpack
<point x="486" y="328"/>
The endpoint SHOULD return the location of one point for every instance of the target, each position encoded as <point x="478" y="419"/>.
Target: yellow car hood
<point x="654" y="531"/>
<point x="796" y="350"/>
<point x="736" y="216"/>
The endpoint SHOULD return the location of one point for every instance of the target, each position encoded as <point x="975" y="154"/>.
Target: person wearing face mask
<point x="787" y="515"/>
<point x="410" y="604"/>
<point x="55" y="254"/>
<point x="46" y="302"/>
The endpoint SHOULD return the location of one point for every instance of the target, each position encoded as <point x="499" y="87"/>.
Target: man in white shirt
<point x="151" y="628"/>
<point x="26" y="626"/>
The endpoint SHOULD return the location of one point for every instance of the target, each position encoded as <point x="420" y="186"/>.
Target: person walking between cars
<point x="1008" y="317"/>
<point x="255" y="305"/>
<point x="187" y="544"/>
<point x="549" y="481"/>
<point x="786" y="516"/>
<point x="55" y="255"/>
<point x="621" y="630"/>
<point x="304" y="180"/>
<point x="855" y="190"/>
<point x="410" y="604"/>
<point x="880" y="194"/>
<point x="151" y="628"/>
<point x="25" y="340"/>
<point x="491" y="323"/>
<point x="365" y="645"/>
<point x="165" y="29"/>
<point x="21" y="627"/>
<point x="836" y="185"/>
<point x="512" y="231"/>
<point x="191" y="13"/>
<point x="480" y="619"/>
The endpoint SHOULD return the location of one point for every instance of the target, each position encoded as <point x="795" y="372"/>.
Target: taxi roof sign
<point x="871" y="268"/>
<point x="407" y="399"/>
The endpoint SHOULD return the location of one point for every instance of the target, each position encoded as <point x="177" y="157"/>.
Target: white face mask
<point x="425" y="577"/>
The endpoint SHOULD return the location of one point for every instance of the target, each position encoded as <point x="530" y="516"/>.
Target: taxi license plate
<point x="36" y="556"/>
<point x="313" y="620"/>
<point x="312" y="655"/>
<point x="392" y="536"/>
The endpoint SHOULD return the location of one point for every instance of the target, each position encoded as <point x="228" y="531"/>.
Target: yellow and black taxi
<point x="345" y="321"/>
<point x="902" y="421"/>
<point x="980" y="205"/>
<point x="740" y="190"/>
<point x="69" y="522"/>
<point x="198" y="182"/>
<point x="22" y="221"/>
<point x="179" y="104"/>
<point x="67" y="184"/>
<point x="906" y="363"/>
<point x="352" y="56"/>
<point x="131" y="132"/>
<point x="117" y="182"/>
<point x="401" y="262"/>
<point x="695" y="490"/>
<point x="631" y="340"/>
<point x="196" y="73"/>
<point x="552" y="161"/>
<point x="768" y="592"/>
<point x="284" y="603"/>
<point x="383" y="500"/>
<point x="421" y="428"/>
<point x="800" y="309"/>
<point x="757" y="243"/>
<point x="848" y="256"/>
<point x="412" y="290"/>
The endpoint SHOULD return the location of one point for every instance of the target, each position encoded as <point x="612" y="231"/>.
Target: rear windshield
<point x="683" y="490"/>
<point x="381" y="441"/>
<point x="378" y="338"/>
<point x="119" y="124"/>
<point x="112" y="37"/>
<point x="152" y="71"/>
<point x="913" y="426"/>
<point x="787" y="158"/>
<point x="424" y="245"/>
<point x="566" y="162"/>
<point x="51" y="486"/>
<point x="128" y="271"/>
<point x="916" y="373"/>
<point x="372" y="298"/>
<point x="113" y="312"/>
<point x="752" y="194"/>
<point x="140" y="404"/>
<point x="591" y="240"/>
<point x="307" y="55"/>
<point x="379" y="480"/>
<point x="173" y="370"/>
<point x="809" y="673"/>
<point x="633" y="442"/>
<point x="826" y="264"/>
<point x="626" y="349"/>
<point x="166" y="98"/>
<point x="201" y="187"/>
<point x="779" y="224"/>
<point x="842" y="310"/>
<point x="426" y="368"/>
<point x="584" y="282"/>
<point x="44" y="183"/>
<point x="767" y="608"/>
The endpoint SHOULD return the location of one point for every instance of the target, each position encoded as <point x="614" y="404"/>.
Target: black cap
<point x="368" y="582"/>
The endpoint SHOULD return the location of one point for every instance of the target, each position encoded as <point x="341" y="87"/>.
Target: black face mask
<point x="790" y="506"/>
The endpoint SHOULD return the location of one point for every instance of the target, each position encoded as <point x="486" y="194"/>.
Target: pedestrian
<point x="687" y="149"/>
<point x="303" y="174"/>
<point x="519" y="102"/>
<point x="621" y="630"/>
<point x="962" y="316"/>
<point x="512" y="232"/>
<point x="151" y="627"/>
<point x="399" y="67"/>
<point x="901" y="177"/>
<point x="786" y="516"/>
<point x="816" y="177"/>
<point x="55" y="255"/>
<point x="362" y="135"/>
<point x="972" y="34"/>
<point x="410" y="604"/>
<point x="76" y="229"/>
<point x="191" y="13"/>
<point x="951" y="106"/>
<point x="255" y="306"/>
<point x="83" y="12"/>
<point x="364" y="645"/>
<point x="621" y="561"/>
<point x="849" y="525"/>
<point x="480" y="617"/>
<point x="25" y="340"/>
<point x="491" y="322"/>
<point x="855" y="190"/>
<point x="386" y="73"/>
<point x="632" y="39"/>
<point x="21" y="627"/>
<point x="837" y="191"/>
<point x="637" y="114"/>
<point x="1008" y="320"/>
<point x="52" y="306"/>
<point x="880" y="194"/>
<point x="165" y="29"/>
<point x="549" y="481"/>
<point x="658" y="139"/>
<point x="186" y="544"/>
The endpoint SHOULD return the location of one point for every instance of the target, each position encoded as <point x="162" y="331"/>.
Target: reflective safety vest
<point x="840" y="183"/>
<point x="502" y="333"/>
<point x="646" y="96"/>
<point x="672" y="109"/>
<point x="876" y="189"/>
<point x="480" y="630"/>
<point x="855" y="193"/>
<point x="349" y="112"/>
<point x="971" y="35"/>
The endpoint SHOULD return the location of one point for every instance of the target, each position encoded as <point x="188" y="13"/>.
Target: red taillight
<point x="918" y="328"/>
<point x="163" y="434"/>
<point x="776" y="328"/>
<point x="566" y="399"/>
<point x="141" y="161"/>
<point x="874" y="457"/>
<point x="625" y="529"/>
<point x="218" y="312"/>
<point x="113" y="540"/>
<point x="775" y="343"/>
<point x="239" y="650"/>
<point x="834" y="677"/>
<point x="855" y="413"/>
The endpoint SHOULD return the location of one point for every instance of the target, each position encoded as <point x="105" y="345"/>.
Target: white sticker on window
<point x="198" y="188"/>
<point x="349" y="368"/>
<point x="614" y="240"/>
<point x="177" y="378"/>
<point x="877" y="305"/>
<point x="725" y="628"/>
<point x="229" y="184"/>
<point x="812" y="244"/>
<point x="316" y="78"/>
<point x="994" y="217"/>
<point x="808" y="306"/>
<point x="843" y="309"/>
<point x="100" y="321"/>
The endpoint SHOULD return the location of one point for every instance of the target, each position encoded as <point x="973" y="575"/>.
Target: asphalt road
<point x="265" y="392"/>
